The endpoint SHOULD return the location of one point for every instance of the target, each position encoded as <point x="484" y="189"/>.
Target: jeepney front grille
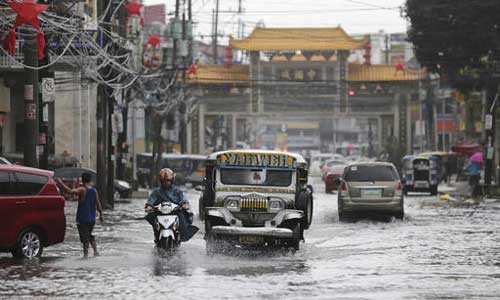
<point x="253" y="204"/>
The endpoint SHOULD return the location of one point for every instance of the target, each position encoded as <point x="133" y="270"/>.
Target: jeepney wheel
<point x="343" y="217"/>
<point x="211" y="241"/>
<point x="294" y="242"/>
<point x="305" y="203"/>
<point x="201" y="208"/>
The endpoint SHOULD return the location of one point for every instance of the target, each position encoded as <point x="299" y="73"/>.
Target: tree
<point x="458" y="39"/>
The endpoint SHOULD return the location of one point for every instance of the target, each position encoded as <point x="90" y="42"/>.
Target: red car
<point x="334" y="173"/>
<point x="31" y="211"/>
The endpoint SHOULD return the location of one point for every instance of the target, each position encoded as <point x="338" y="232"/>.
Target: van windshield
<point x="261" y="177"/>
<point x="370" y="173"/>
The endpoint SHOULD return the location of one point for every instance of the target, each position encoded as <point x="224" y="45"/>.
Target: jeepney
<point x="419" y="174"/>
<point x="256" y="197"/>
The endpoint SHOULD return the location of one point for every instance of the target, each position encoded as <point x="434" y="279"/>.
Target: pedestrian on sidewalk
<point x="88" y="203"/>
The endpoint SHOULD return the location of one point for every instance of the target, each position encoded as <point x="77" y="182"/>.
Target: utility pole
<point x="122" y="136"/>
<point x="31" y="88"/>
<point x="215" y="27"/>
<point x="103" y="168"/>
<point x="490" y="110"/>
<point x="370" y="139"/>
<point x="240" y="33"/>
<point x="182" y="109"/>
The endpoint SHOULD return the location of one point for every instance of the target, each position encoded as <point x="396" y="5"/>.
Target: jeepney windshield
<point x="258" y="176"/>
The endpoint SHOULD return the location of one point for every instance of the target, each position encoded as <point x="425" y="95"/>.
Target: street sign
<point x="488" y="122"/>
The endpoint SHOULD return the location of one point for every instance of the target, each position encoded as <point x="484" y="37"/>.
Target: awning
<point x="467" y="149"/>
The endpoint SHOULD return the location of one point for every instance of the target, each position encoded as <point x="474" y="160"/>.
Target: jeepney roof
<point x="298" y="157"/>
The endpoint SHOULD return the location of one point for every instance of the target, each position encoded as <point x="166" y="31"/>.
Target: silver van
<point x="370" y="187"/>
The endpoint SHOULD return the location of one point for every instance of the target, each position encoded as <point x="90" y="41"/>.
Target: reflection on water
<point x="255" y="271"/>
<point x="173" y="265"/>
<point x="19" y="269"/>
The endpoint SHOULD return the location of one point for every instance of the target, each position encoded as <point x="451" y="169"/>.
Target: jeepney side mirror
<point x="310" y="187"/>
<point x="199" y="188"/>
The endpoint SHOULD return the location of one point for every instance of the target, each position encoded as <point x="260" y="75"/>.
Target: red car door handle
<point x="21" y="202"/>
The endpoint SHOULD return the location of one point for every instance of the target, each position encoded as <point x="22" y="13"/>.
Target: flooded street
<point x="437" y="252"/>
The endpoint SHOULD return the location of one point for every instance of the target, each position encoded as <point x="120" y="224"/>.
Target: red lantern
<point x="399" y="68"/>
<point x="151" y="60"/>
<point x="134" y="8"/>
<point x="27" y="13"/>
<point x="154" y="41"/>
<point x="192" y="69"/>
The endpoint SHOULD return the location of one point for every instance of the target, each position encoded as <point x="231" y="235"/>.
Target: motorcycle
<point x="167" y="224"/>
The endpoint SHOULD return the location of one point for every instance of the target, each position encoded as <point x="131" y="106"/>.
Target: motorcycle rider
<point x="168" y="192"/>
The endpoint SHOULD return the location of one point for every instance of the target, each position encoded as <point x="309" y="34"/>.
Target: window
<point x="29" y="184"/>
<point x="370" y="173"/>
<point x="6" y="186"/>
<point x="256" y="177"/>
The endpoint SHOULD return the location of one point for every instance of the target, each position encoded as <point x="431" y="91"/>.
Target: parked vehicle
<point x="318" y="160"/>
<point x="71" y="176"/>
<point x="31" y="211"/>
<point x="331" y="178"/>
<point x="256" y="197"/>
<point x="371" y="187"/>
<point x="189" y="168"/>
<point x="419" y="174"/>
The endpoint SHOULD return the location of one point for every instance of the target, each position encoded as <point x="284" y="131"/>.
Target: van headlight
<point x="232" y="204"/>
<point x="276" y="205"/>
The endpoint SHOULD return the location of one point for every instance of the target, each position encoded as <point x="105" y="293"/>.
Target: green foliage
<point x="458" y="39"/>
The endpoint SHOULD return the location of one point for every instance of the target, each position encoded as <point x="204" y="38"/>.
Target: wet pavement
<point x="439" y="251"/>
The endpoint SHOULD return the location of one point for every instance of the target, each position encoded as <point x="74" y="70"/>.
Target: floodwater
<point x="437" y="252"/>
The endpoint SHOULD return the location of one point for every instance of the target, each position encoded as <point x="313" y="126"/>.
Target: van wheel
<point x="343" y="217"/>
<point x="401" y="214"/>
<point x="28" y="245"/>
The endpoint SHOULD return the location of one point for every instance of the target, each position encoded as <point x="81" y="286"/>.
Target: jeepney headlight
<point x="276" y="205"/>
<point x="232" y="204"/>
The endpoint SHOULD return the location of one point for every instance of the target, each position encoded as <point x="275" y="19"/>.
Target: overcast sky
<point x="355" y="16"/>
